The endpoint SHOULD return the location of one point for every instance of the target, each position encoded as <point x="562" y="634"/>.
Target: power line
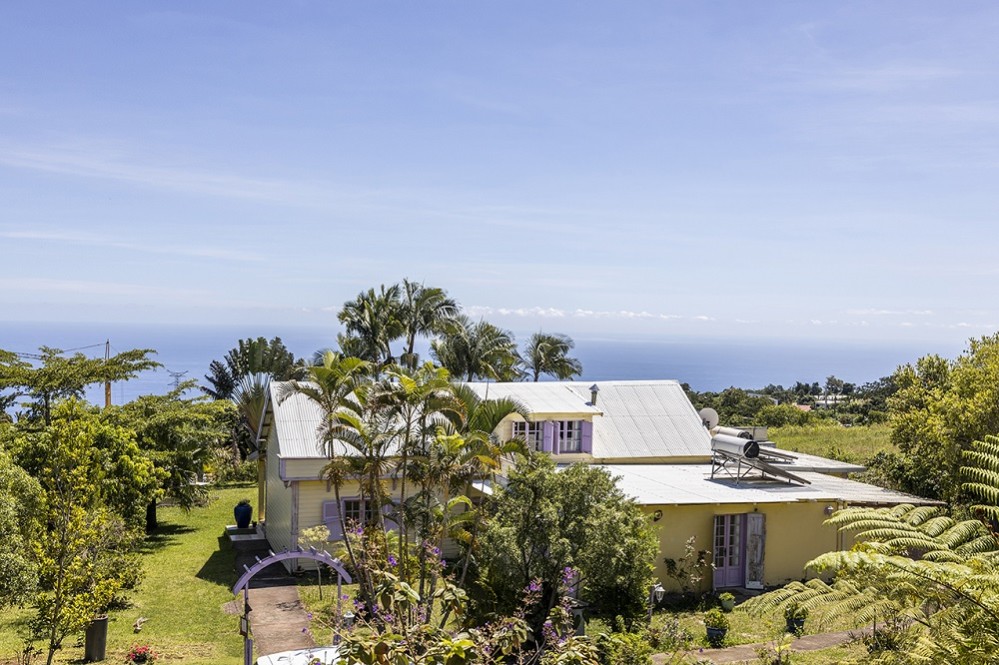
<point x="177" y="377"/>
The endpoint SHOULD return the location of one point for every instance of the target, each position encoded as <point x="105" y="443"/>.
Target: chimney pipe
<point x="594" y="389"/>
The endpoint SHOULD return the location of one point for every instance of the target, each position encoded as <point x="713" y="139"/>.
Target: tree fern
<point x="917" y="567"/>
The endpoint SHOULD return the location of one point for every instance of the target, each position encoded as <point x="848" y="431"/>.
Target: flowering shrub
<point x="141" y="654"/>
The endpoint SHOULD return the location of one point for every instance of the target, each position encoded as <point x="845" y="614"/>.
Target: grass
<point x="187" y="581"/>
<point x="849" y="444"/>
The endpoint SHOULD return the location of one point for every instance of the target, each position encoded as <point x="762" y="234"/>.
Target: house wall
<point x="795" y="534"/>
<point x="279" y="505"/>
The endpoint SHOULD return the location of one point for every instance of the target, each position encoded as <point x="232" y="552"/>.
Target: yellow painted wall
<point x="795" y="534"/>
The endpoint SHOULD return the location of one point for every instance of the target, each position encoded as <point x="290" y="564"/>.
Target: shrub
<point x="665" y="633"/>
<point x="715" y="618"/>
<point x="623" y="649"/>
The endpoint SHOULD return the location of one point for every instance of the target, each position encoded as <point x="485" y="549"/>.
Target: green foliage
<point x="735" y="406"/>
<point x="20" y="513"/>
<point x="981" y="477"/>
<point x="94" y="481"/>
<point x="59" y="377"/>
<point x="471" y="351"/>
<point x="179" y="436"/>
<point x="715" y="618"/>
<point x="545" y="521"/>
<point x="689" y="570"/>
<point x="941" y="407"/>
<point x="932" y="579"/>
<point x="857" y="444"/>
<point x="548" y="353"/>
<point x="250" y="357"/>
<point x="666" y="634"/>
<point x="624" y="649"/>
<point x="782" y="415"/>
<point x="101" y="462"/>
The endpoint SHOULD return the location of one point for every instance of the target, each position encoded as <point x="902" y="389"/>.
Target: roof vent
<point x="594" y="390"/>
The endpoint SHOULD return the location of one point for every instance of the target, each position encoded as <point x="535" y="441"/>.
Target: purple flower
<point x="534" y="586"/>
<point x="392" y="561"/>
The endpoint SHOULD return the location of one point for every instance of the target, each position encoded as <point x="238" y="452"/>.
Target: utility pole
<point x="107" y="384"/>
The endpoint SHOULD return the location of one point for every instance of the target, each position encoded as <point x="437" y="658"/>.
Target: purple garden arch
<point x="319" y="556"/>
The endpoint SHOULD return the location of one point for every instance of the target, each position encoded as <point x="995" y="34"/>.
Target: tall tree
<point x="548" y="353"/>
<point x="545" y="521"/>
<point x="94" y="482"/>
<point x="373" y="317"/>
<point x="251" y="357"/>
<point x="423" y="311"/>
<point x="939" y="408"/>
<point x="20" y="526"/>
<point x="471" y="351"/>
<point x="58" y="376"/>
<point x="180" y="437"/>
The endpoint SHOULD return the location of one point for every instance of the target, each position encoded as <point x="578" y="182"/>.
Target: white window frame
<point x="569" y="436"/>
<point x="532" y="432"/>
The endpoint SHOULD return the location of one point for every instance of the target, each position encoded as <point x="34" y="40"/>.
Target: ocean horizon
<point x="706" y="364"/>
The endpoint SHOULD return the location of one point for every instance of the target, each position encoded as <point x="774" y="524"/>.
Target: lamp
<point x="656" y="594"/>
<point x="658" y="515"/>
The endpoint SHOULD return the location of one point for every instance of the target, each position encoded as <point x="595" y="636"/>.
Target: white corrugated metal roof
<point x="297" y="420"/>
<point x="631" y="418"/>
<point x="645" y="419"/>
<point x="542" y="398"/>
<point x="685" y="484"/>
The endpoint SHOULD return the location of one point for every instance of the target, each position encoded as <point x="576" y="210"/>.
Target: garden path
<point x="746" y="653"/>
<point x="277" y="614"/>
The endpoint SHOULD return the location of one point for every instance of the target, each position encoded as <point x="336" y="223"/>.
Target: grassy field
<point x="187" y="581"/>
<point x="850" y="444"/>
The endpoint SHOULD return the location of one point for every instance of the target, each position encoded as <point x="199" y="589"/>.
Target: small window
<point x="569" y="434"/>
<point x="357" y="511"/>
<point x="531" y="433"/>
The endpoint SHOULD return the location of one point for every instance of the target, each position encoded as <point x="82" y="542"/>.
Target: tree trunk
<point x="151" y="523"/>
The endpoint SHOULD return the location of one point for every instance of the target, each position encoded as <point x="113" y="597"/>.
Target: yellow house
<point x="760" y="520"/>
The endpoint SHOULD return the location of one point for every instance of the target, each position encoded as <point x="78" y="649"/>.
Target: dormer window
<point x="557" y="437"/>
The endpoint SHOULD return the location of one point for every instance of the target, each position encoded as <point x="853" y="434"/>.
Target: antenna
<point x="709" y="417"/>
<point x="177" y="376"/>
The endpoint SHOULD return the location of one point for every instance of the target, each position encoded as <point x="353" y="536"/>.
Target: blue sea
<point x="706" y="364"/>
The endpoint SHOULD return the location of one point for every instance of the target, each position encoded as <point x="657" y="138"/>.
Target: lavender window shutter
<point x="331" y="518"/>
<point x="586" y="437"/>
<point x="548" y="434"/>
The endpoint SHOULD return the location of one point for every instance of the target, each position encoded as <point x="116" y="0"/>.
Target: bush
<point x="241" y="472"/>
<point x="666" y="634"/>
<point x="623" y="649"/>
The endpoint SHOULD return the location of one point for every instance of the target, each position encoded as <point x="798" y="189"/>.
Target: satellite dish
<point x="709" y="417"/>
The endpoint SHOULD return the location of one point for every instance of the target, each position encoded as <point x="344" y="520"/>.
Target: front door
<point x="728" y="553"/>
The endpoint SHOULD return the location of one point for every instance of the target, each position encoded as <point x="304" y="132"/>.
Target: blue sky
<point x="716" y="169"/>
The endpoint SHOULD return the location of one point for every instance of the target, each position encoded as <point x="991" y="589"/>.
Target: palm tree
<point x="373" y="318"/>
<point x="477" y="351"/>
<point x="418" y="401"/>
<point x="548" y="353"/>
<point x="423" y="311"/>
<point x="332" y="386"/>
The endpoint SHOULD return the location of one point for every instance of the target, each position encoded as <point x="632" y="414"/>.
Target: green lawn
<point x="187" y="581"/>
<point x="850" y="444"/>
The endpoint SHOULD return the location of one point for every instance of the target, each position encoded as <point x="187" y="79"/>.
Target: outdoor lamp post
<point x="656" y="594"/>
<point x="348" y="623"/>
